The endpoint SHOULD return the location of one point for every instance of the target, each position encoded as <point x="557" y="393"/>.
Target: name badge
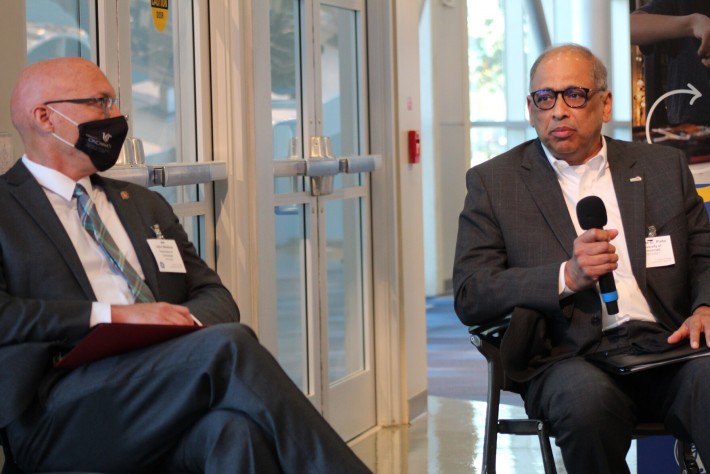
<point x="659" y="251"/>
<point x="167" y="255"/>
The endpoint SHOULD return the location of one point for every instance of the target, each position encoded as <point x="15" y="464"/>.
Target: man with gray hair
<point x="522" y="250"/>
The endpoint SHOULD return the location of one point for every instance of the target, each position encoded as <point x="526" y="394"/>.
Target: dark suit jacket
<point x="515" y="231"/>
<point x="45" y="295"/>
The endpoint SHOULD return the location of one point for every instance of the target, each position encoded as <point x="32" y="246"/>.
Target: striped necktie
<point x="94" y="225"/>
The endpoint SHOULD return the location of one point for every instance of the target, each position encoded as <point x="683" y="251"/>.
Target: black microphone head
<point x="591" y="213"/>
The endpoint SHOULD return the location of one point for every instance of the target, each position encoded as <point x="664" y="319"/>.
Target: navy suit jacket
<point x="515" y="231"/>
<point x="45" y="295"/>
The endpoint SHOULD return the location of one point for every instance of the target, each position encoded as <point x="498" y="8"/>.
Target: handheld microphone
<point x="591" y="214"/>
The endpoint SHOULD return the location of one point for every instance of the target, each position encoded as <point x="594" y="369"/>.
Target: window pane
<point x="340" y="85"/>
<point x="290" y="226"/>
<point x="163" y="108"/>
<point x="195" y="229"/>
<point x="346" y="333"/>
<point x="58" y="28"/>
<point x="286" y="89"/>
<point x="487" y="142"/>
<point x="486" y="39"/>
<point x="153" y="83"/>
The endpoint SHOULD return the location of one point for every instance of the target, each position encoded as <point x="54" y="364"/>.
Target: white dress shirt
<point x="108" y="283"/>
<point x="594" y="178"/>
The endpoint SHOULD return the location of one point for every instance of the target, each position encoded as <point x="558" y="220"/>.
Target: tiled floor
<point x="449" y="440"/>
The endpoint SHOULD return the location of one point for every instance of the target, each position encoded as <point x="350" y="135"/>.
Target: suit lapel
<point x="629" y="186"/>
<point x="137" y="228"/>
<point x="31" y="197"/>
<point x="541" y="180"/>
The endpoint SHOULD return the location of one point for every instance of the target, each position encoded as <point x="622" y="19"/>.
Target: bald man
<point x="211" y="401"/>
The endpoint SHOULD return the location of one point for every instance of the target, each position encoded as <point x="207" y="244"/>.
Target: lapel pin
<point x="156" y="230"/>
<point x="124" y="195"/>
<point x="636" y="179"/>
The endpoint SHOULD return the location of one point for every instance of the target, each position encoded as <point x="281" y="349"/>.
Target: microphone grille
<point x="591" y="213"/>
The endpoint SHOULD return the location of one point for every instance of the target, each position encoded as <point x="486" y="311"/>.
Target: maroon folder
<point x="109" y="339"/>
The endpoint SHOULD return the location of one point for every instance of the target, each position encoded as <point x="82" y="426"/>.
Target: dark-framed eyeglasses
<point x="106" y="103"/>
<point x="575" y="97"/>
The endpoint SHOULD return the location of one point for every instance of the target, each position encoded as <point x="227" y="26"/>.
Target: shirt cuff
<point x="562" y="289"/>
<point x="100" y="313"/>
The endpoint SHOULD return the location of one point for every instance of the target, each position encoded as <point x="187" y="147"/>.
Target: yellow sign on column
<point x="159" y="9"/>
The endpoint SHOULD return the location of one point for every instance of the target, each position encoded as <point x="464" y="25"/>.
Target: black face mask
<point x="101" y="139"/>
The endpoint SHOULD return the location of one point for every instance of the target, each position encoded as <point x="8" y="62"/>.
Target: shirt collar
<point x="54" y="181"/>
<point x="598" y="162"/>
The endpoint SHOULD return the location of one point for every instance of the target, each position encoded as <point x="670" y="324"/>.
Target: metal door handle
<point x="360" y="164"/>
<point x="131" y="167"/>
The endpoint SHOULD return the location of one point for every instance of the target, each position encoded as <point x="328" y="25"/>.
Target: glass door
<point x="323" y="277"/>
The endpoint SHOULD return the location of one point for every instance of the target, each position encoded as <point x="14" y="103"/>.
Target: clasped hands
<point x="594" y="255"/>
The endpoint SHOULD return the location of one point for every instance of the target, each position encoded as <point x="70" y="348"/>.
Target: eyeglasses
<point x="107" y="103"/>
<point x="575" y="97"/>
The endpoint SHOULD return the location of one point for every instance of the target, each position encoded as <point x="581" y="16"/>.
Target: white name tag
<point x="167" y="255"/>
<point x="659" y="251"/>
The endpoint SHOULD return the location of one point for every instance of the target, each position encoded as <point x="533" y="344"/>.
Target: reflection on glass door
<point x="322" y="230"/>
<point x="163" y="98"/>
<point x="59" y="28"/>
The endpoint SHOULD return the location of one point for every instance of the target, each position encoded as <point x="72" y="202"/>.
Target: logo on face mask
<point x="101" y="139"/>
